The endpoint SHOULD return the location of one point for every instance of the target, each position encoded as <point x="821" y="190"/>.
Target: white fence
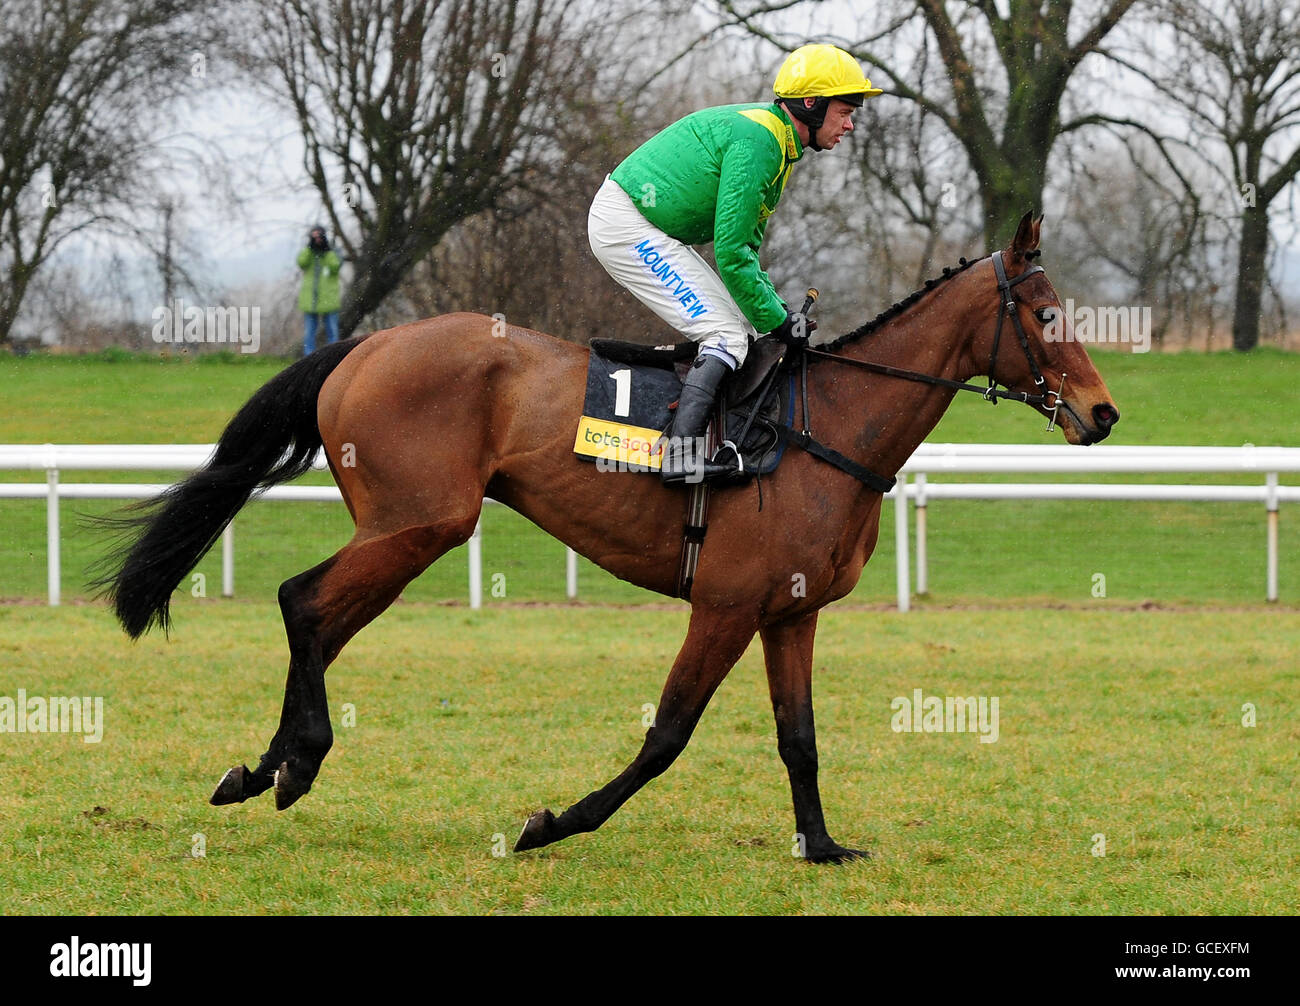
<point x="915" y="485"/>
<point x="943" y="459"/>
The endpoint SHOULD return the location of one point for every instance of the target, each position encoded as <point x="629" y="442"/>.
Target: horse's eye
<point x="1046" y="315"/>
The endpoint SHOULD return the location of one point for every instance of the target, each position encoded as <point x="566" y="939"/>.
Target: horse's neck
<point x="888" y="417"/>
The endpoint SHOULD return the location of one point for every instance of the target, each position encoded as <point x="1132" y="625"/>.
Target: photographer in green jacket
<point x="717" y="175"/>
<point x="318" y="297"/>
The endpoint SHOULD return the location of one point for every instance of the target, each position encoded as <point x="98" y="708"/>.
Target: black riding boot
<point x="683" y="456"/>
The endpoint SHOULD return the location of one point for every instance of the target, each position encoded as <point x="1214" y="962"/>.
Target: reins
<point x="1007" y="306"/>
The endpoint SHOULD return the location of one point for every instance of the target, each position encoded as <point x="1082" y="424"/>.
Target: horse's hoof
<point x="231" y="788"/>
<point x="288" y="788"/>
<point x="539" y="830"/>
<point x="837" y="854"/>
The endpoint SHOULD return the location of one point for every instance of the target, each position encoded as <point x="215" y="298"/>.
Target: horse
<point x="419" y="423"/>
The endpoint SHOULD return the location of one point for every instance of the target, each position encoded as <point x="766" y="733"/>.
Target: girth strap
<point x="804" y="440"/>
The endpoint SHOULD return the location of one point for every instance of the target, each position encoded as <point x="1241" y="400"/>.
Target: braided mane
<point x="896" y="309"/>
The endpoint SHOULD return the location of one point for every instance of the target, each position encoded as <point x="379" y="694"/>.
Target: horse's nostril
<point x="1106" y="416"/>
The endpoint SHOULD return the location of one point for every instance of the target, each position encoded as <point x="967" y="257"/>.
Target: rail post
<point x="900" y="543"/>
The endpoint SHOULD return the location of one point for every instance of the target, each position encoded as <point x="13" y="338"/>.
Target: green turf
<point x="1126" y="725"/>
<point x="979" y="550"/>
<point x="124" y="398"/>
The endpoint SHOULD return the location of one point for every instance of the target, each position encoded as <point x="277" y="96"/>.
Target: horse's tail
<point x="272" y="439"/>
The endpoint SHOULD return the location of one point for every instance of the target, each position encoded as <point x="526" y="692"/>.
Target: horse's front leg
<point x="788" y="649"/>
<point x="714" y="642"/>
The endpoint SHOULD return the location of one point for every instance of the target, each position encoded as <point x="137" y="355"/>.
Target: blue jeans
<point x="331" y="330"/>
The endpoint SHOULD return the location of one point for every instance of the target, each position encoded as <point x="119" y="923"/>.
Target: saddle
<point x="631" y="390"/>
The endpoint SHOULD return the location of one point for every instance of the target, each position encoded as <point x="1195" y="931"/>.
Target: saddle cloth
<point x="631" y="390"/>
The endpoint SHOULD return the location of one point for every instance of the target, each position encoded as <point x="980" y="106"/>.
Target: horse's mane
<point x="894" y="310"/>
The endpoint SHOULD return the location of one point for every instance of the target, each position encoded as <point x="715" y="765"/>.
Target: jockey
<point x="717" y="175"/>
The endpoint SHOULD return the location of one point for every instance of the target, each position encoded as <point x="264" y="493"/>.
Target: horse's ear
<point x="1038" y="230"/>
<point x="1026" y="238"/>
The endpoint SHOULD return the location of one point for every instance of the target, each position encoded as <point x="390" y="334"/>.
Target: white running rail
<point x="915" y="483"/>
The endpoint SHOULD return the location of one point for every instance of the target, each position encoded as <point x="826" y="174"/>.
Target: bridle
<point x="1007" y="305"/>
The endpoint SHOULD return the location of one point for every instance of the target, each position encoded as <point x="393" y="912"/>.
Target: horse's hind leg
<point x="323" y="608"/>
<point x="714" y="642"/>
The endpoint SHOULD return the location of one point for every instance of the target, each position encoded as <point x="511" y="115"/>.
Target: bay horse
<point x="420" y="422"/>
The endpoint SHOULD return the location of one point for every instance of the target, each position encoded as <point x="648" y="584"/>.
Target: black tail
<point x="272" y="439"/>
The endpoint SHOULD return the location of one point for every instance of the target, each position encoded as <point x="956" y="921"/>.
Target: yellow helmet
<point x="823" y="71"/>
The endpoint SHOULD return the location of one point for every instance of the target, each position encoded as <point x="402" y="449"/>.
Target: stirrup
<point x="701" y="469"/>
<point x="731" y="462"/>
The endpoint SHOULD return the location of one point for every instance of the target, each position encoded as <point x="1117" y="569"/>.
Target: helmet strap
<point x="810" y="117"/>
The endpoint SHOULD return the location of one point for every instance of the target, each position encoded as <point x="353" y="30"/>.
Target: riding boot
<point x="683" y="455"/>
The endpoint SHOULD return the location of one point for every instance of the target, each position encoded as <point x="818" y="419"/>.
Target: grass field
<point x="1122" y="717"/>
<point x="1121" y="724"/>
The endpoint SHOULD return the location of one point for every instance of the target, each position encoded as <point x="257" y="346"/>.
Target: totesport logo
<point x="631" y="447"/>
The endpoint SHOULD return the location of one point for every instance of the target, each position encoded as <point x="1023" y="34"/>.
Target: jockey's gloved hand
<point x="796" y="328"/>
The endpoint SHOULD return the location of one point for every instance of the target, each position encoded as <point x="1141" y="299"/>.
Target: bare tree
<point x="1131" y="219"/>
<point x="79" y="82"/>
<point x="1236" y="75"/>
<point x="623" y="95"/>
<point x="415" y="115"/>
<point x="1006" y="78"/>
<point x="916" y="183"/>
